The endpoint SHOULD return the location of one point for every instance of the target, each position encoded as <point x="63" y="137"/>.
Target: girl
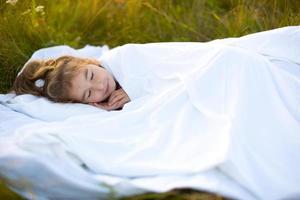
<point x="71" y="79"/>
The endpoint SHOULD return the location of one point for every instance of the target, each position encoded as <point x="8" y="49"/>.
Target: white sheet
<point x="24" y="172"/>
<point x="195" y="107"/>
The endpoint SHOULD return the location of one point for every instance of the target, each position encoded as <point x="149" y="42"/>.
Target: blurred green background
<point x="28" y="25"/>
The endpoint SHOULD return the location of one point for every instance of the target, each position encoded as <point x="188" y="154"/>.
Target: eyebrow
<point x="85" y="74"/>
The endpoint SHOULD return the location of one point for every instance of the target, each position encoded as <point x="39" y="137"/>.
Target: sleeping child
<point x="71" y="79"/>
<point x="187" y="107"/>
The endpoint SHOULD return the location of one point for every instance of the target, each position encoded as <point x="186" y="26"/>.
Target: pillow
<point x="44" y="109"/>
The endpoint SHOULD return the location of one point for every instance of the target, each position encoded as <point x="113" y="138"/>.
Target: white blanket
<point x="228" y="104"/>
<point x="24" y="170"/>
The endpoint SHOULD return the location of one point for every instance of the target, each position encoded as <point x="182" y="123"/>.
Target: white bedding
<point x="200" y="113"/>
<point x="51" y="177"/>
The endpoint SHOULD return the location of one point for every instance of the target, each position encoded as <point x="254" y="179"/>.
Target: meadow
<point x="28" y="25"/>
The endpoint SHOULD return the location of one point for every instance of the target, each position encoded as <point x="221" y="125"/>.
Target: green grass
<point x="23" y="29"/>
<point x="7" y="194"/>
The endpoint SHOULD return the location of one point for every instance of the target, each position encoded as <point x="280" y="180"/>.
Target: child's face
<point x="92" y="84"/>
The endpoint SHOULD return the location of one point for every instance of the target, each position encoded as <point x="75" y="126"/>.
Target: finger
<point x="121" y="94"/>
<point x="121" y="102"/>
<point x="116" y="92"/>
<point x="116" y="105"/>
<point x="124" y="100"/>
<point x="115" y="99"/>
<point x="114" y="95"/>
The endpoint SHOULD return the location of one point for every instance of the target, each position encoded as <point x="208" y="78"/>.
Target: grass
<point x="7" y="194"/>
<point x="26" y="27"/>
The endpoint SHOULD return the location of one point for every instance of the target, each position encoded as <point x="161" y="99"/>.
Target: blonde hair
<point x="57" y="75"/>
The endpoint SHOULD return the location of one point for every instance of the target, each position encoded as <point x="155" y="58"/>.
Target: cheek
<point x="97" y="97"/>
<point x="104" y="73"/>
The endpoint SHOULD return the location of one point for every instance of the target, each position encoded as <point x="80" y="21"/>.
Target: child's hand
<point x="116" y="100"/>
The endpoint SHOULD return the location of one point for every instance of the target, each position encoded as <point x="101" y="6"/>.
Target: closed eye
<point x="89" y="93"/>
<point x="92" y="76"/>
